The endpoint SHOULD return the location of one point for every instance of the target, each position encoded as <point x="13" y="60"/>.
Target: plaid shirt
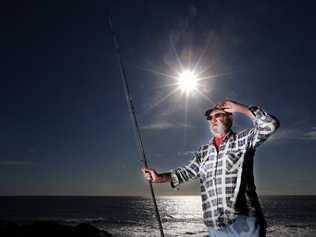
<point x="226" y="177"/>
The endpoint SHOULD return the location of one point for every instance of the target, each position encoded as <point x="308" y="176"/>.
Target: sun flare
<point x="187" y="81"/>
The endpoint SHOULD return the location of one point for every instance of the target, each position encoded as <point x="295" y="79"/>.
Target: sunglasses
<point x="218" y="115"/>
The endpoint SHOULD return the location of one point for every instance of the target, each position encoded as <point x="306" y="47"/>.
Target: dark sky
<point x="65" y="127"/>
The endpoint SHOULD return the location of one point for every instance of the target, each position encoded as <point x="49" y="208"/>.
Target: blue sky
<point x="65" y="127"/>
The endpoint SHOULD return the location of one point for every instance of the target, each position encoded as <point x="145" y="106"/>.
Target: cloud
<point x="185" y="153"/>
<point x="16" y="163"/>
<point x="285" y="134"/>
<point x="310" y="135"/>
<point x="294" y="134"/>
<point x="158" y="125"/>
<point x="165" y="125"/>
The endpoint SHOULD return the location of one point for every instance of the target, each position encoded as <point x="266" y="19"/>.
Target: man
<point x="225" y="169"/>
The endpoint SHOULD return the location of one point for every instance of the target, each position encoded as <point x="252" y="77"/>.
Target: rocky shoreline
<point x="50" y="229"/>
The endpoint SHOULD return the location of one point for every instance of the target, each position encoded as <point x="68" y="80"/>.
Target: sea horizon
<point x="133" y="216"/>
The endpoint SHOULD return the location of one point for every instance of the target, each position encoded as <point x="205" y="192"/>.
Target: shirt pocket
<point x="206" y="169"/>
<point x="233" y="160"/>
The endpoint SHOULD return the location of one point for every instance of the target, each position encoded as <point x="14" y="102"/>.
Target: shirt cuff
<point x="174" y="180"/>
<point x="260" y="115"/>
<point x="255" y="110"/>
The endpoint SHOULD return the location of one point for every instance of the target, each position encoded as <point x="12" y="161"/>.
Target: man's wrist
<point x="251" y="112"/>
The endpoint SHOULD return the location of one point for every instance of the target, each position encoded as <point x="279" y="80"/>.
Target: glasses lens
<point x="218" y="115"/>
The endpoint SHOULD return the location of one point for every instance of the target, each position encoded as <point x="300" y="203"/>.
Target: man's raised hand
<point x="231" y="106"/>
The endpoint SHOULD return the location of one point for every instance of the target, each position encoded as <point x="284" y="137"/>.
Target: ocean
<point x="134" y="216"/>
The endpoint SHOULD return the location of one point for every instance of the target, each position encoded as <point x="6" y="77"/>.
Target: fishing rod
<point x="133" y="117"/>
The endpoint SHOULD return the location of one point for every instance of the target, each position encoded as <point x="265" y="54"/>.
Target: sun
<point x="187" y="81"/>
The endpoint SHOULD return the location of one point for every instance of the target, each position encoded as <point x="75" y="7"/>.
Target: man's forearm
<point x="245" y="110"/>
<point x="265" y="126"/>
<point x="164" y="178"/>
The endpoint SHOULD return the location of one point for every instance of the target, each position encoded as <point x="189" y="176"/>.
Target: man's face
<point x="220" y="122"/>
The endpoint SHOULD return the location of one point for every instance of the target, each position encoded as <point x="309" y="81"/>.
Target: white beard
<point x="218" y="130"/>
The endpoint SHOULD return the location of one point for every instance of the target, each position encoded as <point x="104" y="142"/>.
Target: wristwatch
<point x="253" y="109"/>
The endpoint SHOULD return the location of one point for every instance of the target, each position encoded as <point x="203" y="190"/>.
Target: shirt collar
<point x="226" y="137"/>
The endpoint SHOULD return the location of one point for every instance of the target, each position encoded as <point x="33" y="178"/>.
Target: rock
<point x="50" y="229"/>
<point x="85" y="229"/>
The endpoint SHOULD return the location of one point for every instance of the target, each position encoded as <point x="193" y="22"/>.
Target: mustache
<point x="220" y="128"/>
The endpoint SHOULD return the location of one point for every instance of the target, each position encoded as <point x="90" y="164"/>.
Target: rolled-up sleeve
<point x="265" y="126"/>
<point x="187" y="172"/>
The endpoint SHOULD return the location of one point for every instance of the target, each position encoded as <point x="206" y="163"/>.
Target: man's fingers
<point x="226" y="109"/>
<point x="147" y="173"/>
<point x="146" y="169"/>
<point x="148" y="176"/>
<point x="224" y="104"/>
<point x="221" y="104"/>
